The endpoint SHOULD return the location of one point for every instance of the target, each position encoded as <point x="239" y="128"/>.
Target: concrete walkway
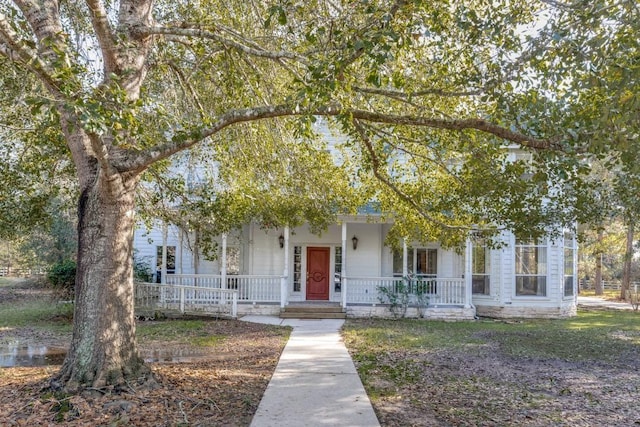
<point x="315" y="382"/>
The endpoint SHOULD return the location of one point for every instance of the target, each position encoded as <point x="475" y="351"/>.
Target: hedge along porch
<point x="349" y="264"/>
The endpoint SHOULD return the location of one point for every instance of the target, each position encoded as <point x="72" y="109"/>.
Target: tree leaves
<point x="520" y="66"/>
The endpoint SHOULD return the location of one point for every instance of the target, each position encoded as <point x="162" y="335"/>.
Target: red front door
<point x="317" y="273"/>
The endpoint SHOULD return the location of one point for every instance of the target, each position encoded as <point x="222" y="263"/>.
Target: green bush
<point x="141" y="268"/>
<point x="62" y="277"/>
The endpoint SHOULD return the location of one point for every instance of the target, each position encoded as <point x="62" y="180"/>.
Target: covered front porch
<point x="356" y="272"/>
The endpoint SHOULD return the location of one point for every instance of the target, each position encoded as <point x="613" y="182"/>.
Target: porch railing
<point x="439" y="291"/>
<point x="356" y="290"/>
<point x="250" y="288"/>
<point x="185" y="299"/>
<point x="200" y="280"/>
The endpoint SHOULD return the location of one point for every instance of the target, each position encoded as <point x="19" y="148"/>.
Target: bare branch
<point x="451" y="124"/>
<point x="143" y="159"/>
<point x="391" y="93"/>
<point x="182" y="80"/>
<point x="195" y="32"/>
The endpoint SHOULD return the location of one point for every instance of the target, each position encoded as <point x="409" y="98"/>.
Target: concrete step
<point x="313" y="311"/>
<point x="316" y="315"/>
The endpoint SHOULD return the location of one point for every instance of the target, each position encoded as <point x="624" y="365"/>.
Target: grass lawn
<point x="579" y="371"/>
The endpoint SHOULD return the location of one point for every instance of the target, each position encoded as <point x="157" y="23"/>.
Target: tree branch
<point x="391" y="93"/>
<point x="186" y="87"/>
<point x="452" y="124"/>
<point x="199" y="33"/>
<point x="104" y="33"/>
<point x="128" y="161"/>
<point x="375" y="167"/>
<point x="44" y="18"/>
<point x="18" y="52"/>
<point x="184" y="140"/>
<point x="437" y="160"/>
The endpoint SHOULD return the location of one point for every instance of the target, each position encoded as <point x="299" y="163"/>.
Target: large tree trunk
<point x="598" y="279"/>
<point x="103" y="350"/>
<point x="628" y="256"/>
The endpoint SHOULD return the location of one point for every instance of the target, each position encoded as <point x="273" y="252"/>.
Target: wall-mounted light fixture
<point x="281" y="241"/>
<point x="354" y="240"/>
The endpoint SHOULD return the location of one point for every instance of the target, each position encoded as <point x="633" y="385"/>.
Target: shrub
<point x="62" y="278"/>
<point x="396" y="296"/>
<point x="141" y="268"/>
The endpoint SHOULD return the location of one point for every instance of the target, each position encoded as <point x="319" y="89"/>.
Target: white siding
<point x="367" y="259"/>
<point x="387" y="253"/>
<point x="267" y="256"/>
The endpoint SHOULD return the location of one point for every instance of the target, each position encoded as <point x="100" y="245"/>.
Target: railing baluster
<point x="443" y="291"/>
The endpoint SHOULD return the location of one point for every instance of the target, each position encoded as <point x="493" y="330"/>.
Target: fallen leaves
<point x="223" y="390"/>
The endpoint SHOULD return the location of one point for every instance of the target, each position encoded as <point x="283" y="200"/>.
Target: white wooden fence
<point x="606" y="285"/>
<point x="21" y="272"/>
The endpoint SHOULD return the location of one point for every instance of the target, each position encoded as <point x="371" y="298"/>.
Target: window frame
<point x="482" y="278"/>
<point x="297" y="268"/>
<point x="538" y="279"/>
<point x="337" y="268"/>
<point x="431" y="258"/>
<point x="568" y="236"/>
<point x="171" y="258"/>
<point x="238" y="250"/>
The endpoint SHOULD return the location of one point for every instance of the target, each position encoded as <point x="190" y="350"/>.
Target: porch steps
<point x="313" y="311"/>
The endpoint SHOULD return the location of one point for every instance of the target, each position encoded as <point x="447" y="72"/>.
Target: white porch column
<point x="179" y="249"/>
<point x="284" y="281"/>
<point x="343" y="274"/>
<point x="468" y="272"/>
<point x="405" y="254"/>
<point x="163" y="267"/>
<point x="223" y="263"/>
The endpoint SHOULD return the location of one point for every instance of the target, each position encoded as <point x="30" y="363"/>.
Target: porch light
<point x="355" y="242"/>
<point x="281" y="241"/>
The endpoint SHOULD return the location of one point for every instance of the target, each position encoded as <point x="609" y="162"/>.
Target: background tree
<point x="428" y="93"/>
<point x="603" y="249"/>
<point x="601" y="46"/>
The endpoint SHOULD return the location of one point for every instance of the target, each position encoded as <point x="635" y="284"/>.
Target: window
<point x="397" y="262"/>
<point x="171" y="262"/>
<point x="233" y="260"/>
<point x="426" y="262"/>
<point x="569" y="255"/>
<point x="531" y="268"/>
<point x="297" y="267"/>
<point x="337" y="274"/>
<point x="171" y="259"/>
<point x="480" y="269"/>
<point x="422" y="261"/>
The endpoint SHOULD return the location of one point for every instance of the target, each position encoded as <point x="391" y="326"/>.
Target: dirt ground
<point x="487" y="385"/>
<point x="479" y="386"/>
<point x="222" y="390"/>
<point x="465" y="389"/>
